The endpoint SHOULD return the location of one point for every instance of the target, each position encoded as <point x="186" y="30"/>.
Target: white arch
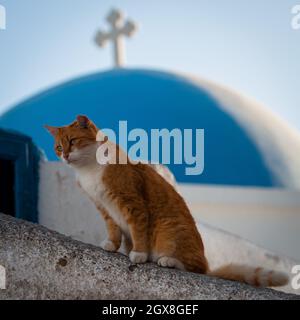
<point x="2" y="17"/>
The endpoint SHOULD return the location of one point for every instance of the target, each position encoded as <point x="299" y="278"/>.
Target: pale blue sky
<point x="248" y="45"/>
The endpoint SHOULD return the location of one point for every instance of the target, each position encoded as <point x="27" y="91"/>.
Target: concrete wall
<point x="42" y="264"/>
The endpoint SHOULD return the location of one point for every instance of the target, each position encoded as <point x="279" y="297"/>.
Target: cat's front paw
<point x="169" y="262"/>
<point x="108" y="245"/>
<point x="138" y="257"/>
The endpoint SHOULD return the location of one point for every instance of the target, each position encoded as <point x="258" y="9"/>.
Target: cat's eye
<point x="59" y="148"/>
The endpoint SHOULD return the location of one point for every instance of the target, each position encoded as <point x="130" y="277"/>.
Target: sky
<point x="247" y="45"/>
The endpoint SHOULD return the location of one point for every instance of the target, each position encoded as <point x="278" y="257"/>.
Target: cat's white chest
<point x="116" y="215"/>
<point x="91" y="182"/>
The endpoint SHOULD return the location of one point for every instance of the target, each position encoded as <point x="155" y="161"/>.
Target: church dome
<point x="245" y="144"/>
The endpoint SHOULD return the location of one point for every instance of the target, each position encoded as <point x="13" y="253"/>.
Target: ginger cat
<point x="136" y="202"/>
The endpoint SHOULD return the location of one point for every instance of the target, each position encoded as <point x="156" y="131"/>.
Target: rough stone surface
<point x="42" y="264"/>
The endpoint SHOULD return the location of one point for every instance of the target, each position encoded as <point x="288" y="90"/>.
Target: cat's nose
<point x="66" y="156"/>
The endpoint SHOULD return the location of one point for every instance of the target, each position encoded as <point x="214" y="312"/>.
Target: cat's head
<point x="76" y="143"/>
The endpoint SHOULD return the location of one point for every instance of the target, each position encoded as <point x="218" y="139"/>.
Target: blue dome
<point x="237" y="149"/>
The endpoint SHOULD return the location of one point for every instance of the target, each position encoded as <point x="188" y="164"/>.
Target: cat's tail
<point x="259" y="277"/>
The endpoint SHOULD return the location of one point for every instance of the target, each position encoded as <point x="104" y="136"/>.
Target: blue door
<point x="19" y="175"/>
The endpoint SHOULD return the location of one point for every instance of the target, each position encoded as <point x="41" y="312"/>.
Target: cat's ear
<point x="83" y="121"/>
<point x="51" y="130"/>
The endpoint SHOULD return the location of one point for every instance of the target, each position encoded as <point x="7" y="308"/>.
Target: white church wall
<point x="265" y="217"/>
<point x="65" y="208"/>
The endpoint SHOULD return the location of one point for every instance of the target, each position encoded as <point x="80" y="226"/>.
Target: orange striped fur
<point x="255" y="276"/>
<point x="143" y="208"/>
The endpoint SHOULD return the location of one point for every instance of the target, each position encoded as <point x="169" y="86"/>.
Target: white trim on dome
<point x="278" y="142"/>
